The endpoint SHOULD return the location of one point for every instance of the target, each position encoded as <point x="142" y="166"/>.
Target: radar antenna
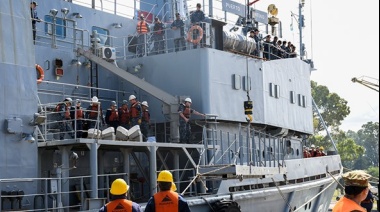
<point x="369" y="82"/>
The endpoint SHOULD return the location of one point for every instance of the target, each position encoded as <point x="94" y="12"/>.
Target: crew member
<point x="158" y="36"/>
<point x="35" y="19"/>
<point x="185" y="112"/>
<point x="94" y="113"/>
<point x="124" y="115"/>
<point x="142" y="30"/>
<point x="119" y="202"/>
<point x="63" y="117"/>
<point x="195" y="18"/>
<point x="77" y="115"/>
<point x="166" y="199"/>
<point x="112" y="116"/>
<point x="135" y="112"/>
<point x="145" y="121"/>
<point x="356" y="187"/>
<point x="178" y="24"/>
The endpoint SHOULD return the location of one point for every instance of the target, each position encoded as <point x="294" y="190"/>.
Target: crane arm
<point x="365" y="81"/>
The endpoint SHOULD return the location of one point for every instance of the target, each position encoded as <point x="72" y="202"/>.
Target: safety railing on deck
<point x="57" y="127"/>
<point x="256" y="148"/>
<point x="47" y="194"/>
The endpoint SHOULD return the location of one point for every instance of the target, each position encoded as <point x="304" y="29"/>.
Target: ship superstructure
<point x="92" y="50"/>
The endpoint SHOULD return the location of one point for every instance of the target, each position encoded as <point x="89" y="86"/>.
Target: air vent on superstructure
<point x="238" y="42"/>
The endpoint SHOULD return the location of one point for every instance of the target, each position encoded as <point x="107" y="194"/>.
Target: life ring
<point x="40" y="74"/>
<point x="190" y="34"/>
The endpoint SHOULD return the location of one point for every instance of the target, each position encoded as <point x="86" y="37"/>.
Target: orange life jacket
<point x="119" y="205"/>
<point x="93" y="112"/>
<point x="123" y="115"/>
<point x="142" y="27"/>
<point x="114" y="116"/>
<point x="79" y="113"/>
<point x="166" y="201"/>
<point x="134" y="112"/>
<point x="187" y="112"/>
<point x="347" y="205"/>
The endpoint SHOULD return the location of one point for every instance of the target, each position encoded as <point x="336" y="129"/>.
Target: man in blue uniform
<point x="158" y="36"/>
<point x="63" y="117"/>
<point x="195" y="18"/>
<point x="119" y="202"/>
<point x="166" y="200"/>
<point x="178" y="24"/>
<point x="35" y="19"/>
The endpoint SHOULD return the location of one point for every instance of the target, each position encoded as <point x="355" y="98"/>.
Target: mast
<point x="300" y="26"/>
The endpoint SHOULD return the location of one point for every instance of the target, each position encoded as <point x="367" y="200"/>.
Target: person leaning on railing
<point x="195" y="18"/>
<point x="178" y="24"/>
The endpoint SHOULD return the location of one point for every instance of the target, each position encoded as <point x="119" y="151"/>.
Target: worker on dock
<point x="166" y="199"/>
<point x="356" y="188"/>
<point x="119" y="202"/>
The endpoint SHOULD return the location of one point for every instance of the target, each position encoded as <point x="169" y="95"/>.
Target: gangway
<point x="369" y="82"/>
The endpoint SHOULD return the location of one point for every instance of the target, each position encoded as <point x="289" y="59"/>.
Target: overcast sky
<point x="344" y="43"/>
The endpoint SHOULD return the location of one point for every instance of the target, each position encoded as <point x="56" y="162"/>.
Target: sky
<point x="342" y="38"/>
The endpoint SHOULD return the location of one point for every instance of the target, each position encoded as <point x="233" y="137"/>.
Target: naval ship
<point x="246" y="154"/>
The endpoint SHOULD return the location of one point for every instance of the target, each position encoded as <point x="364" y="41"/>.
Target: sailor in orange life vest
<point x="356" y="187"/>
<point x="135" y="112"/>
<point x="77" y="115"/>
<point x="166" y="200"/>
<point x="124" y="115"/>
<point x="145" y="121"/>
<point x="92" y="113"/>
<point x="119" y="202"/>
<point x="142" y="29"/>
<point x="112" y="116"/>
<point x="185" y="112"/>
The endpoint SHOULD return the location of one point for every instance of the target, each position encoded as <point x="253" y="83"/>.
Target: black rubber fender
<point x="226" y="206"/>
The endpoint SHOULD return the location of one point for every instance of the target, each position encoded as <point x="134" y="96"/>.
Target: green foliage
<point x="349" y="152"/>
<point x="374" y="172"/>
<point x="368" y="137"/>
<point x="332" y="107"/>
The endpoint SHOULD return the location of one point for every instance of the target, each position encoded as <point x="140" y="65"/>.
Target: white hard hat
<point x="94" y="99"/>
<point x="188" y="100"/>
<point x="113" y="103"/>
<point x="312" y="146"/>
<point x="145" y="103"/>
<point x="68" y="100"/>
<point x="132" y="97"/>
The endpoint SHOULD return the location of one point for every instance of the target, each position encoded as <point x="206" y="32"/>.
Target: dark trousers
<point x="184" y="131"/>
<point x="180" y="43"/>
<point x="159" y="44"/>
<point x="34" y="33"/>
<point x="141" y="45"/>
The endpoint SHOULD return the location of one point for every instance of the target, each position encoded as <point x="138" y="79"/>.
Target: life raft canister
<point x="40" y="74"/>
<point x="190" y="34"/>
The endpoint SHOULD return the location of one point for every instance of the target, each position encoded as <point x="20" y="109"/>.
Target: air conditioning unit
<point x="108" y="53"/>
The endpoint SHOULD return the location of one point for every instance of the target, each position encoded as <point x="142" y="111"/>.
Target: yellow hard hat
<point x="321" y="148"/>
<point x="174" y="187"/>
<point x="165" y="176"/>
<point x="119" y="187"/>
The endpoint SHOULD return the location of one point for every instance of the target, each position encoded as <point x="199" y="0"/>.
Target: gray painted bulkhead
<point x="18" y="96"/>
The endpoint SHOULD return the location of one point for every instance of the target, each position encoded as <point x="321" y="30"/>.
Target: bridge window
<point x="103" y="35"/>
<point x="292" y="97"/>
<point x="60" y="26"/>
